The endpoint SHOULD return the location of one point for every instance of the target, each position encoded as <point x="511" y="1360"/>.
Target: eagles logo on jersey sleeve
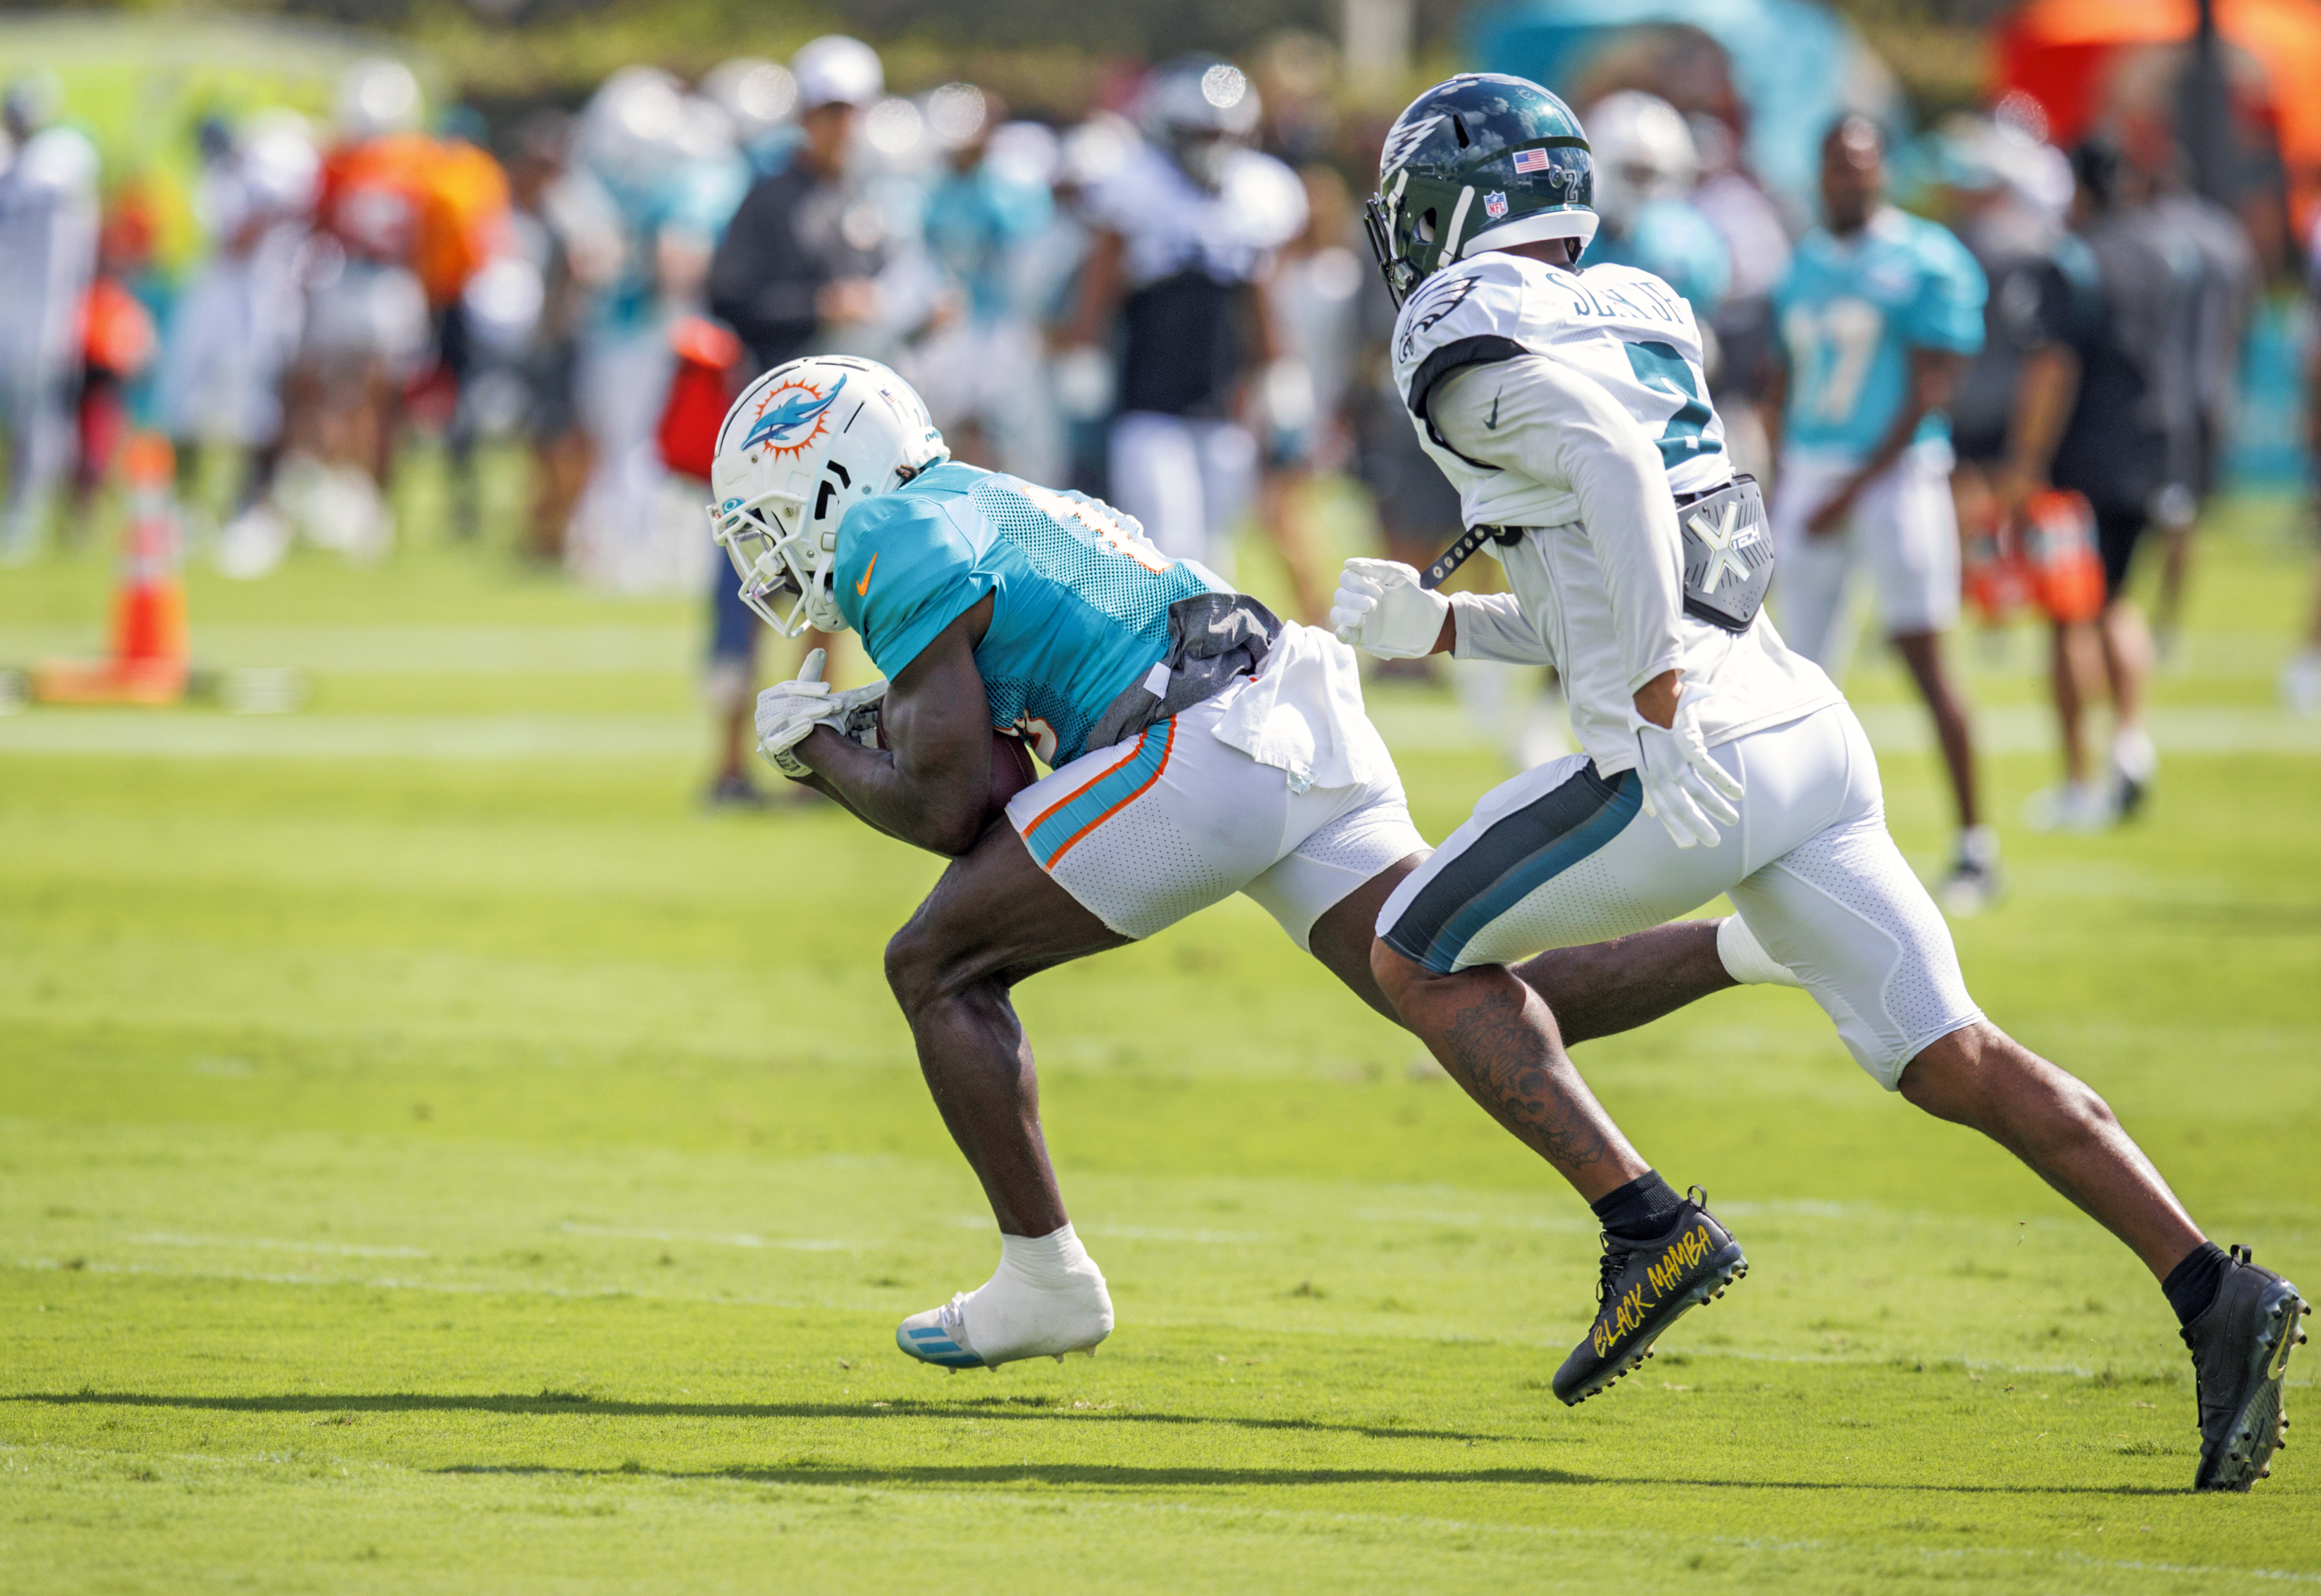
<point x="1627" y="329"/>
<point x="1465" y="316"/>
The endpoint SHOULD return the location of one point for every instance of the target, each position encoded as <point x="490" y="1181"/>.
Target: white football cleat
<point x="938" y="1335"/>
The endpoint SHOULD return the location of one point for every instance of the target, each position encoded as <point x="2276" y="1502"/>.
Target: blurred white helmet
<point x="279" y="159"/>
<point x="1198" y="108"/>
<point x="704" y="130"/>
<point x="377" y="96"/>
<point x="1027" y="153"/>
<point x="835" y="70"/>
<point x="802" y="445"/>
<point x="1198" y="94"/>
<point x="1644" y="152"/>
<point x="958" y="115"/>
<point x="758" y="96"/>
<point x="633" y="124"/>
<point x="1096" y="149"/>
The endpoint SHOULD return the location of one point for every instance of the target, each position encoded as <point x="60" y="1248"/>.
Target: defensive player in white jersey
<point x="1568" y="408"/>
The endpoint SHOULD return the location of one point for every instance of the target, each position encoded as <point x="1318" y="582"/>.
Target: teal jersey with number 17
<point x="1850" y="311"/>
<point x="1081" y="598"/>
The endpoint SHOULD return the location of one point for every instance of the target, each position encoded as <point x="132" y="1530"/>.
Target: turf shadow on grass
<point x="1128" y="1477"/>
<point x="564" y="1405"/>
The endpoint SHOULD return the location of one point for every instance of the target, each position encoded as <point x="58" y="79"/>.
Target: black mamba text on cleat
<point x="1642" y="1289"/>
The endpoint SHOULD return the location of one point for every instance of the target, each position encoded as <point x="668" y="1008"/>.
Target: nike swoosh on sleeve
<point x="862" y="588"/>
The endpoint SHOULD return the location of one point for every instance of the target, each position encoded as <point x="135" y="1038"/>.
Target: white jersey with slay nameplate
<point x="1602" y="603"/>
<point x="1625" y="328"/>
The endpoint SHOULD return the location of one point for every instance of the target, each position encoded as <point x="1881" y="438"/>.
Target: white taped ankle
<point x="1746" y="958"/>
<point x="1046" y="1297"/>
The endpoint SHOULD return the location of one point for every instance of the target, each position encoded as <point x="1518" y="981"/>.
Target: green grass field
<point x="435" y="1156"/>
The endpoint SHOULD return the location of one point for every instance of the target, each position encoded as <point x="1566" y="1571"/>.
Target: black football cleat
<point x="1645" y="1288"/>
<point x="2240" y="1349"/>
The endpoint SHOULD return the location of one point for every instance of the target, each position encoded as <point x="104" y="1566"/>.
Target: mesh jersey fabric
<point x="1081" y="604"/>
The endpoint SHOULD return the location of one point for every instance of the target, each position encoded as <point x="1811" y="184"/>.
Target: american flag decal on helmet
<point x="1531" y="160"/>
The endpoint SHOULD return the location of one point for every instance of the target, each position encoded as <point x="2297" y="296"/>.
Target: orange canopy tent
<point x="2058" y="52"/>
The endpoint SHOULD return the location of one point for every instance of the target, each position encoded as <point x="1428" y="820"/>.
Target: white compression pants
<point x="1562" y="855"/>
<point x="1903" y="530"/>
<point x="1158" y="827"/>
<point x="1187" y="480"/>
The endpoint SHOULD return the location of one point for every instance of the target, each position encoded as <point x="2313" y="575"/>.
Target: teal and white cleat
<point x="938" y="1335"/>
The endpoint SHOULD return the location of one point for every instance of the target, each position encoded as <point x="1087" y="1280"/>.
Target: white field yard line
<point x="1902" y="728"/>
<point x="1212" y="1238"/>
<point x="716" y="1237"/>
<point x="634" y="647"/>
<point x="1434" y="1335"/>
<point x="200" y="735"/>
<point x="270" y="1244"/>
<point x="1410" y="730"/>
<point x="400" y="651"/>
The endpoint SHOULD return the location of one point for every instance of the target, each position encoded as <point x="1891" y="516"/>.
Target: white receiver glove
<point x="1381" y="609"/>
<point x="788" y="710"/>
<point x="1685" y="789"/>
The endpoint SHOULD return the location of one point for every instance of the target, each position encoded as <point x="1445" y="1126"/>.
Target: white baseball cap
<point x="835" y="69"/>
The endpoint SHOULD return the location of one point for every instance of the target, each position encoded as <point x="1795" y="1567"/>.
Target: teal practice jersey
<point x="1082" y="610"/>
<point x="1849" y="313"/>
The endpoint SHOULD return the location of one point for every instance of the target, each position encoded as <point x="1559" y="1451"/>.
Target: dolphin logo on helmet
<point x="779" y="424"/>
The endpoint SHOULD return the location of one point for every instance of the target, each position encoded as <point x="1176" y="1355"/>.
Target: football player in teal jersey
<point x="1196" y="747"/>
<point x="1876" y="316"/>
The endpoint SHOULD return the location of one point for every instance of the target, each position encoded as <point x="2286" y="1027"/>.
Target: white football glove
<point x="1685" y="789"/>
<point x="788" y="710"/>
<point x="1381" y="609"/>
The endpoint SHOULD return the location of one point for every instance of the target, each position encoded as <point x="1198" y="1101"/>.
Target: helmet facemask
<point x="775" y="552"/>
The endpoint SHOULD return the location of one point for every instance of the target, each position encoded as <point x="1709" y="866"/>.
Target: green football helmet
<point x="1478" y="161"/>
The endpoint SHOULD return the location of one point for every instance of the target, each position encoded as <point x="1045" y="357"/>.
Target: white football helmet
<point x="1644" y="152"/>
<point x="802" y="444"/>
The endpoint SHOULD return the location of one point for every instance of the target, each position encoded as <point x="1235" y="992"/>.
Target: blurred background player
<point x="1646" y="169"/>
<point x="789" y="275"/>
<point x="2008" y="194"/>
<point x="657" y="179"/>
<point x="980" y="368"/>
<point x="1313" y="301"/>
<point x="2300" y="678"/>
<point x="1187" y="226"/>
<point x="367" y="330"/>
<point x="2211" y="244"/>
<point x="235" y="330"/>
<point x="542" y="231"/>
<point x="47" y="254"/>
<point x="1877" y="317"/>
<point x="2091" y="416"/>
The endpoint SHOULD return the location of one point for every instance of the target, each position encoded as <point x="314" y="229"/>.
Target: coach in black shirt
<point x="802" y="248"/>
<point x="2100" y="412"/>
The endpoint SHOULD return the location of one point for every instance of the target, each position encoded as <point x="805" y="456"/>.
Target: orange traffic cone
<point x="149" y="611"/>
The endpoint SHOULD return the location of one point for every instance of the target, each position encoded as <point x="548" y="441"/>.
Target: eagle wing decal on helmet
<point x="1404" y="138"/>
<point x="779" y="424"/>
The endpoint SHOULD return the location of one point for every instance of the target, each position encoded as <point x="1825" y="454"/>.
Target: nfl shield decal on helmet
<point x="1494" y="207"/>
